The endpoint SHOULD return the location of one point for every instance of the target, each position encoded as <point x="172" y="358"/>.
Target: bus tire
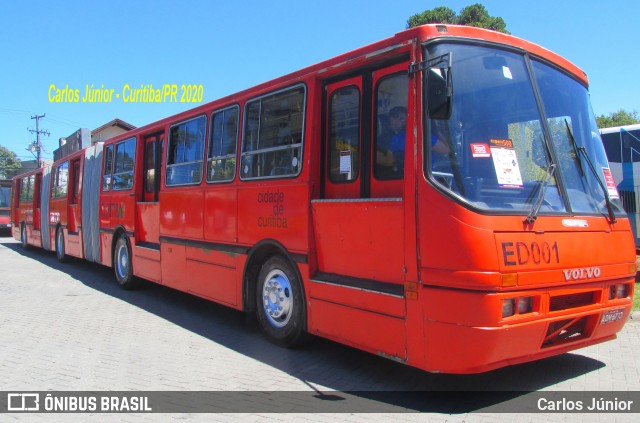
<point x="280" y="303"/>
<point x="60" y="251"/>
<point x="23" y="237"/>
<point x="122" y="265"/>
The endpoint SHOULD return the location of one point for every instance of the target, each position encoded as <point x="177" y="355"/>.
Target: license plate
<point x="612" y="316"/>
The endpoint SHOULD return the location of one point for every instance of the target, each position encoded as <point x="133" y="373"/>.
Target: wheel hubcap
<point x="122" y="261"/>
<point x="59" y="247"/>
<point x="277" y="298"/>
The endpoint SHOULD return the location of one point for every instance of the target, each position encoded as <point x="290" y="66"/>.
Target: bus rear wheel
<point x="280" y="303"/>
<point x="122" y="265"/>
<point x="60" y="251"/>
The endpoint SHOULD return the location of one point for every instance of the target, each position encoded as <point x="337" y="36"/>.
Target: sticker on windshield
<point x="505" y="162"/>
<point x="480" y="150"/>
<point x="610" y="183"/>
<point x="507" y="72"/>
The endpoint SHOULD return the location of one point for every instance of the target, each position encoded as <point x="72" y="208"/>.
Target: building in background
<point x="29" y="165"/>
<point x="84" y="138"/>
<point x="109" y="130"/>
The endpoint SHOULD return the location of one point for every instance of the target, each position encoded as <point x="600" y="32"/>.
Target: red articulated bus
<point x="5" y="203"/>
<point x="440" y="198"/>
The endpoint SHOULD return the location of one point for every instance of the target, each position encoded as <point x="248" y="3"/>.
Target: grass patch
<point x="636" y="297"/>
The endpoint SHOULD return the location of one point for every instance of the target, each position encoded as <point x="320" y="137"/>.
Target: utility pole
<point x="36" y="145"/>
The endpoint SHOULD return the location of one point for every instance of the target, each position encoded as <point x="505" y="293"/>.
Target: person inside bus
<point x="391" y="145"/>
<point x="439" y="144"/>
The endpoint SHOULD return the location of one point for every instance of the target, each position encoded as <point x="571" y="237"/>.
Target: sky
<point x="228" y="46"/>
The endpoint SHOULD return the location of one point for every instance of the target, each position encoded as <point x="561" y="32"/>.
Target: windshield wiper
<point x="533" y="214"/>
<point x="581" y="151"/>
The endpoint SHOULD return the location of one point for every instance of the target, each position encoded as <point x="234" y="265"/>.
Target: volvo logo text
<point x="584" y="273"/>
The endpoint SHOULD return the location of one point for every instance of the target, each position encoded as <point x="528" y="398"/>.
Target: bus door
<point x="74" y="220"/>
<point x="74" y="217"/>
<point x="37" y="190"/>
<point x="359" y="219"/>
<point x="147" y="246"/>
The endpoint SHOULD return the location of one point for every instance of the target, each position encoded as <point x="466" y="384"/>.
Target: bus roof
<point x="401" y="41"/>
<point x="613" y="129"/>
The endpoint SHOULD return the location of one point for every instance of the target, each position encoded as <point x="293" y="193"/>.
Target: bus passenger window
<point x="108" y="168"/>
<point x="344" y="134"/>
<point x="221" y="164"/>
<point x="273" y="135"/>
<point x="75" y="182"/>
<point x="150" y="167"/>
<point x="60" y="181"/>
<point x="26" y="189"/>
<point x="391" y="121"/>
<point x="186" y="147"/>
<point x="123" y="165"/>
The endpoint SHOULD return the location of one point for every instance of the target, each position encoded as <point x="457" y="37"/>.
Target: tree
<point x="9" y="163"/>
<point x="619" y="118"/>
<point x="441" y="14"/>
<point x="474" y="15"/>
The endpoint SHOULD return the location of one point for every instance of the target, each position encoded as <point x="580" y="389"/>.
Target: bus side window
<point x="344" y="134"/>
<point x="273" y="135"/>
<point x="221" y="163"/>
<point x="186" y="147"/>
<point x="108" y="168"/>
<point x="391" y="121"/>
<point x="123" y="165"/>
<point x="60" y="181"/>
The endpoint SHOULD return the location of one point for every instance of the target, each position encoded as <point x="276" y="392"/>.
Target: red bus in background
<point x="49" y="205"/>
<point x="5" y="203"/>
<point x="439" y="198"/>
<point x="26" y="202"/>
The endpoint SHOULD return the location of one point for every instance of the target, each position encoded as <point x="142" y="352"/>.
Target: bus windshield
<point x="505" y="149"/>
<point x="5" y="196"/>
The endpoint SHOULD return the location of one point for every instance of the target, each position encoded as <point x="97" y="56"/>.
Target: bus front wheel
<point x="280" y="303"/>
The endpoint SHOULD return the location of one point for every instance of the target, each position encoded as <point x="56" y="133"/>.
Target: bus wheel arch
<point x="273" y="289"/>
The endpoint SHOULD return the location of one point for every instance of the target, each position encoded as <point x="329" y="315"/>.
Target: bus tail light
<point x="519" y="305"/>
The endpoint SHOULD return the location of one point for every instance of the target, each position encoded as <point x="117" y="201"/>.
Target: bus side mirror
<point x="439" y="92"/>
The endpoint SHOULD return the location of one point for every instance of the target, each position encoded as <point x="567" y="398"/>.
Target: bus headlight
<point x="620" y="290"/>
<point x="518" y="305"/>
<point x="525" y="305"/>
<point x="508" y="307"/>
